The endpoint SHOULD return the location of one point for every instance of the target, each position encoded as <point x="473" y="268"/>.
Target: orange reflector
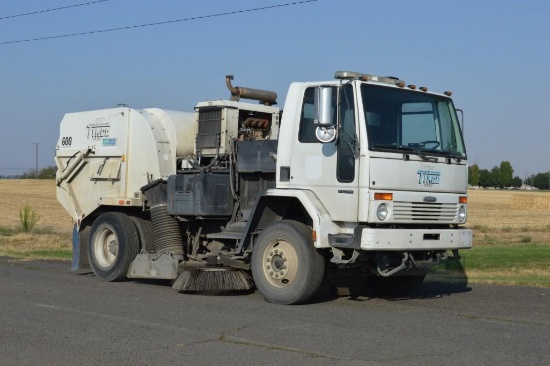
<point x="123" y="158"/>
<point x="463" y="199"/>
<point x="313" y="235"/>
<point x="120" y="202"/>
<point x="383" y="196"/>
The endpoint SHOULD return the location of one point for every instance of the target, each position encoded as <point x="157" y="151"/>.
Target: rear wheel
<point x="395" y="286"/>
<point x="145" y="232"/>
<point x="114" y="244"/>
<point x="286" y="267"/>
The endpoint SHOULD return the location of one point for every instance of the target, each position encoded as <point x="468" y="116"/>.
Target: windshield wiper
<point x="448" y="154"/>
<point x="420" y="153"/>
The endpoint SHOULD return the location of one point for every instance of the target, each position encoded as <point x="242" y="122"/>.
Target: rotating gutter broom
<point x="212" y="280"/>
<point x="200" y="277"/>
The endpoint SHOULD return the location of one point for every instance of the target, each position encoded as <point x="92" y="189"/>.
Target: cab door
<point x="328" y="169"/>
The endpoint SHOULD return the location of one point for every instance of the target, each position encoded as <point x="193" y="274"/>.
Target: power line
<point x="160" y="23"/>
<point x="53" y="9"/>
<point x="36" y="171"/>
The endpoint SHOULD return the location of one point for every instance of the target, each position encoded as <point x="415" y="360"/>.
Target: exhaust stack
<point x="265" y="97"/>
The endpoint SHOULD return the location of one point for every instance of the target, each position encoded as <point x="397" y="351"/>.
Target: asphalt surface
<point x="50" y="316"/>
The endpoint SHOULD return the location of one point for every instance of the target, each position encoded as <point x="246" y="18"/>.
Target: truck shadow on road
<point x="444" y="280"/>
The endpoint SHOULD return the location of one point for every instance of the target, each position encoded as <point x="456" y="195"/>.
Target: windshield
<point x="400" y="119"/>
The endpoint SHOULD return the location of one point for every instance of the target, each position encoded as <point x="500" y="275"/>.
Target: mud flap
<point x="75" y="265"/>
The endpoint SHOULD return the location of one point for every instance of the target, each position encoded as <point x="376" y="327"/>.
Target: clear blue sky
<point x="494" y="56"/>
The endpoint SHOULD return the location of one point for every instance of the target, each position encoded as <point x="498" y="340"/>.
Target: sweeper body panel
<point x="361" y="178"/>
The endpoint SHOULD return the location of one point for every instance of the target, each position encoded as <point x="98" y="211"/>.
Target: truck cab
<point x="386" y="161"/>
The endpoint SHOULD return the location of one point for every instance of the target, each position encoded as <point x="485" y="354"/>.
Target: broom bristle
<point x="212" y="280"/>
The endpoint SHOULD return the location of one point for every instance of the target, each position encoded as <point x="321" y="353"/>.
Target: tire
<point x="145" y="232"/>
<point x="396" y="286"/>
<point x="114" y="244"/>
<point x="286" y="267"/>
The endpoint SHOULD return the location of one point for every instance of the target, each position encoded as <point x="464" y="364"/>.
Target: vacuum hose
<point x="166" y="231"/>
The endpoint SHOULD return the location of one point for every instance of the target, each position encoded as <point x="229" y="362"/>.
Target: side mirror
<point x="326" y="129"/>
<point x="323" y="105"/>
<point x="461" y="119"/>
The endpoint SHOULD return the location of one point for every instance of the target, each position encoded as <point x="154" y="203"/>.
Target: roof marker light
<point x="412" y="86"/>
<point x="423" y="88"/>
<point x="448" y="93"/>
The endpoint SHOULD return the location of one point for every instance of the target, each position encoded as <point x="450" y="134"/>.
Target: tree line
<point x="44" y="173"/>
<point x="502" y="176"/>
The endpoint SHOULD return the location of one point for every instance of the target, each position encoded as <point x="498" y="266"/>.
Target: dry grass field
<point x="511" y="215"/>
<point x="52" y="235"/>
<point x="40" y="194"/>
<point x="511" y="231"/>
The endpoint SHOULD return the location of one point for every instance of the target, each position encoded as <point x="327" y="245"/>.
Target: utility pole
<point x="36" y="160"/>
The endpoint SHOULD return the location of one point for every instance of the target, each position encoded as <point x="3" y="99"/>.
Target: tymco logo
<point x="429" y="176"/>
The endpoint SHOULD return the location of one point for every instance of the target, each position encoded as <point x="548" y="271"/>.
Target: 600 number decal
<point x="66" y="141"/>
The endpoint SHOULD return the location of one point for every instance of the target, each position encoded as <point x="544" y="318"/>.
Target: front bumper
<point x="413" y="239"/>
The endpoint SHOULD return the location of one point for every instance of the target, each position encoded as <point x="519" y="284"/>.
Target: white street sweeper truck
<point x="362" y="177"/>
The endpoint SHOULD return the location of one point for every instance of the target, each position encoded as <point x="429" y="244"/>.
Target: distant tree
<point x="506" y="174"/>
<point x="541" y="181"/>
<point x="47" y="173"/>
<point x="473" y="175"/>
<point x="44" y="173"/>
<point x="485" y="178"/>
<point x="529" y="179"/>
<point x="495" y="172"/>
<point x="517" y="182"/>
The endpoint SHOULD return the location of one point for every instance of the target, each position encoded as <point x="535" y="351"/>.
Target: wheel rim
<point x="280" y="263"/>
<point x="105" y="247"/>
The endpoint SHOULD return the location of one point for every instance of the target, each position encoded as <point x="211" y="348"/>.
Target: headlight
<point x="462" y="213"/>
<point x="382" y="212"/>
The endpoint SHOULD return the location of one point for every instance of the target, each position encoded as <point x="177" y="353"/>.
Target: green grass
<point x="9" y="231"/>
<point x="518" y="264"/>
<point x="528" y="256"/>
<point x="42" y="243"/>
<point x="28" y="217"/>
<point x="60" y="254"/>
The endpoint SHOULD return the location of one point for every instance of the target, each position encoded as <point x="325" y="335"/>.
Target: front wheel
<point x="113" y="246"/>
<point x="286" y="267"/>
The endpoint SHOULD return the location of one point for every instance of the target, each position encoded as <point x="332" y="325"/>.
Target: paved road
<point x="49" y="316"/>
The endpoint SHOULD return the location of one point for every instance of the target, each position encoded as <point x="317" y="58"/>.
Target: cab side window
<point x="306" y="133"/>
<point x="347" y="139"/>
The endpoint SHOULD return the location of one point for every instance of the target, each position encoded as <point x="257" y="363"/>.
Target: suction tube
<point x="166" y="229"/>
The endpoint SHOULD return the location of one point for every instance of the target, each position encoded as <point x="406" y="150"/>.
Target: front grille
<point x="210" y="126"/>
<point x="422" y="211"/>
